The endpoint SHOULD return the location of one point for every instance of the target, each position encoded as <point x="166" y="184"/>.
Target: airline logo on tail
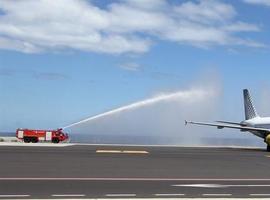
<point x="259" y="126"/>
<point x="250" y="111"/>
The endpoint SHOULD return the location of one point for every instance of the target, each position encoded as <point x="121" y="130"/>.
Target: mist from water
<point x="156" y="120"/>
<point x="160" y="120"/>
<point x="190" y="95"/>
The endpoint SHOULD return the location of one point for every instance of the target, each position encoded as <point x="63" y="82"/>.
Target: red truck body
<point x="29" y="135"/>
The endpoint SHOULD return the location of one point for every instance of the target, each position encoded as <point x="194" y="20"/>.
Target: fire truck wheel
<point x="34" y="140"/>
<point x="26" y="139"/>
<point x="55" y="140"/>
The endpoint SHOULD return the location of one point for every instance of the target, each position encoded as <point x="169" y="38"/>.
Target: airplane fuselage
<point x="258" y="122"/>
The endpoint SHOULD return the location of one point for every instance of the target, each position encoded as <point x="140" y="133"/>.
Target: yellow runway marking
<point x="268" y="156"/>
<point x="121" y="151"/>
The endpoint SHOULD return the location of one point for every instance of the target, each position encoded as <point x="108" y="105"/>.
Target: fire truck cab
<point x="34" y="136"/>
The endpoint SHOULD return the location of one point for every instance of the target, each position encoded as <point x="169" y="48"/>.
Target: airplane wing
<point x="221" y="126"/>
<point x="232" y="123"/>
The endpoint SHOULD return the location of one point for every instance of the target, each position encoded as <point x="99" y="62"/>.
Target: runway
<point x="96" y="171"/>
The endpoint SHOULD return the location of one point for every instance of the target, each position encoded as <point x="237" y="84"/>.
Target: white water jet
<point x="188" y="96"/>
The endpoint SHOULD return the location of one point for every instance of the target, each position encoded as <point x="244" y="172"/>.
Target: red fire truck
<point x="54" y="136"/>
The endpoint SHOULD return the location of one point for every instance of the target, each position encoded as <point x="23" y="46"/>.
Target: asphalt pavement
<point x="102" y="171"/>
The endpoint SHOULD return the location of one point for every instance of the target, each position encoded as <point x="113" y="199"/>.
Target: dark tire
<point x="34" y="140"/>
<point x="268" y="148"/>
<point x="26" y="139"/>
<point x="55" y="140"/>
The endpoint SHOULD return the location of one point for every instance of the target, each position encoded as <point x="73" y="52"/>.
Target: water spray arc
<point x="189" y="95"/>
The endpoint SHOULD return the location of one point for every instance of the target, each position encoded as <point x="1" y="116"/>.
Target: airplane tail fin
<point x="250" y="111"/>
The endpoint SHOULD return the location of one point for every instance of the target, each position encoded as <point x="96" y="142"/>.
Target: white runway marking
<point x="13" y="195"/>
<point x="200" y="185"/>
<point x="175" y="146"/>
<point x="108" y="151"/>
<point x="259" y="195"/>
<point x="164" y="195"/>
<point x="122" y="151"/>
<point x="68" y="195"/>
<point x="160" y="198"/>
<point x="139" y="152"/>
<point x="120" y="195"/>
<point x="217" y="195"/>
<point x="218" y="185"/>
<point x="128" y="179"/>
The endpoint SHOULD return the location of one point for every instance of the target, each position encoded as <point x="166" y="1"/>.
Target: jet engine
<point x="267" y="139"/>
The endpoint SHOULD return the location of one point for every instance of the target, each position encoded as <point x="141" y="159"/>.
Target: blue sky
<point x="61" y="63"/>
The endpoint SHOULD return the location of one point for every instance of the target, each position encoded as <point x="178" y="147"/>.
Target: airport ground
<point x="103" y="171"/>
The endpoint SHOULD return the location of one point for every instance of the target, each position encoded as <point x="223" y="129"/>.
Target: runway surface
<point x="84" y="171"/>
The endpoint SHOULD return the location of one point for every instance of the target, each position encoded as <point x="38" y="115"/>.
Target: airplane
<point x="253" y="123"/>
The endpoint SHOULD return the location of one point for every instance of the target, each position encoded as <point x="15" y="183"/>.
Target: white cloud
<point x="206" y="11"/>
<point x="130" y="66"/>
<point x="258" y="2"/>
<point x="120" y="27"/>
